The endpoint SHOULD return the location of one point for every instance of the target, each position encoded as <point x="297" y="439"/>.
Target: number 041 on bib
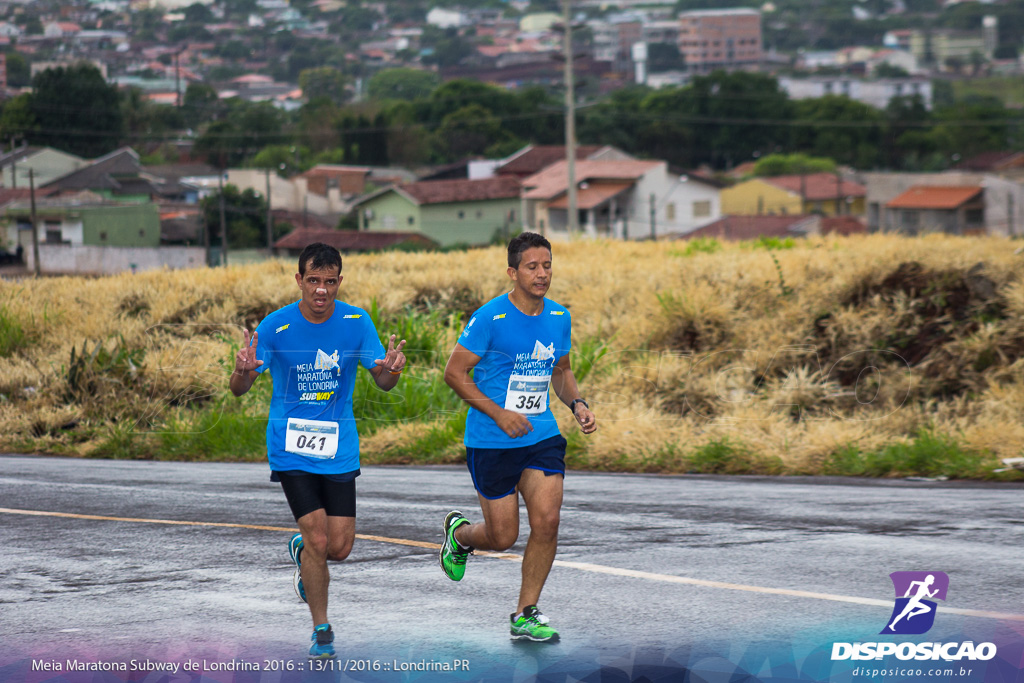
<point x="312" y="438"/>
<point x="527" y="394"/>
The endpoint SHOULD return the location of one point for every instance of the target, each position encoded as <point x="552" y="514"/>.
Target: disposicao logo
<point x="913" y="612"/>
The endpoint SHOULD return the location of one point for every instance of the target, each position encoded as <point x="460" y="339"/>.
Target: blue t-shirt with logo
<point x="517" y="354"/>
<point x="312" y="427"/>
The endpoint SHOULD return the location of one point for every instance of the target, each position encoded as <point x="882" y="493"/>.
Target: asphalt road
<point x="707" y="574"/>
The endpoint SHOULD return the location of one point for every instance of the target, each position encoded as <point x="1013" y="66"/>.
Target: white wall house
<point x="876" y="93"/>
<point x="619" y="199"/>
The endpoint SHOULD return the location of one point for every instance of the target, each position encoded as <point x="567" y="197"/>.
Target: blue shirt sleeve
<point x="263" y="349"/>
<point x="371" y="349"/>
<point x="567" y="334"/>
<point x="477" y="335"/>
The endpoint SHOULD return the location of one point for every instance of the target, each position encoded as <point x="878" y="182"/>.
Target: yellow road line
<point x="582" y="566"/>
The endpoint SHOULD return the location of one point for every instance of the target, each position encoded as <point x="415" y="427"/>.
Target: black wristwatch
<point x="572" y="406"/>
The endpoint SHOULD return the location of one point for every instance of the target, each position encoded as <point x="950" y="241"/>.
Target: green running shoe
<point x="453" y="554"/>
<point x="532" y="625"/>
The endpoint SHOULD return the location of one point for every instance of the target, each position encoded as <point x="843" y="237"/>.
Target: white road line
<point x="581" y="566"/>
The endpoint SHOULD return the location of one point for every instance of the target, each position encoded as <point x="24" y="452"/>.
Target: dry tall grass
<point x="785" y="361"/>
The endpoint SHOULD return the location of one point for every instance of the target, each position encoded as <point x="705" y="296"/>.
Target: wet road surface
<point x="645" y="564"/>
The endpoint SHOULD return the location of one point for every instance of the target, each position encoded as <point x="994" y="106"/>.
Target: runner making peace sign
<point x="312" y="349"/>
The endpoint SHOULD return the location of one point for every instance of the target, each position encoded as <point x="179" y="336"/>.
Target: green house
<point x="86" y="220"/>
<point x="450" y="212"/>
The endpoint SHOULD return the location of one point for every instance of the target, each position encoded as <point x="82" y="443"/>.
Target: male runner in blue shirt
<point x="312" y="349"/>
<point x="517" y="345"/>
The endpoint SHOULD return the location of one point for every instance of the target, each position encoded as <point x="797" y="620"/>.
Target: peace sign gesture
<point x="394" y="359"/>
<point x="245" y="360"/>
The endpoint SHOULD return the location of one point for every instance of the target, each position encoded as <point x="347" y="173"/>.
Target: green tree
<point x="792" y="164"/>
<point x="19" y="72"/>
<point x="18" y="119"/>
<point x="401" y="84"/>
<point x="324" y="81"/>
<point x="470" y="131"/>
<point x="200" y="104"/>
<point x="664" y="57"/>
<point x="77" y="110"/>
<point x="246" y="216"/>
<point x="839" y="128"/>
<point x="285" y="160"/>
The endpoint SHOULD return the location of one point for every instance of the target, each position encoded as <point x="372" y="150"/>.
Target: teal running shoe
<point x="295" y="550"/>
<point x="453" y="554"/>
<point x="322" y="643"/>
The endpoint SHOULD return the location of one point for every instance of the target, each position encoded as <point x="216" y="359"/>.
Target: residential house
<point x="993" y="162"/>
<point x="822" y="193"/>
<point x="349" y="241"/>
<point x="46" y="164"/>
<point x="876" y="92"/>
<point x="118" y="173"/>
<point x="535" y="158"/>
<point x="1002" y="202"/>
<point x="450" y="212"/>
<point x="324" y="190"/>
<point x="86" y="218"/>
<point x="954" y="210"/>
<point x="622" y="199"/>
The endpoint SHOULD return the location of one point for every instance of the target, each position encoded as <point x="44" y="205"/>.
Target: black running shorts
<point x="308" y="492"/>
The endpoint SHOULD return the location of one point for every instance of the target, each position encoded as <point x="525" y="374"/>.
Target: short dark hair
<point x="522" y="242"/>
<point x="322" y="255"/>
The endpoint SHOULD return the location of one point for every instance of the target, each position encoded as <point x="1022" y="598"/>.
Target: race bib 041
<point x="311" y="438"/>
<point x="527" y="395"/>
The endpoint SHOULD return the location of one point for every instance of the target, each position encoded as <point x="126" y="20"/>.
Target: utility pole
<point x="35" y="231"/>
<point x="177" y="78"/>
<point x="270" y="221"/>
<point x="570" y="122"/>
<point x="223" y="221"/>
<point x="654" y="213"/>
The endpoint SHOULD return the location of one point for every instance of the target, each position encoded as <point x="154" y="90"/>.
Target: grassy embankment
<point x="876" y="356"/>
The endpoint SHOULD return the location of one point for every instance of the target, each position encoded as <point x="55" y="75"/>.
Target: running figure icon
<point x="915" y="607"/>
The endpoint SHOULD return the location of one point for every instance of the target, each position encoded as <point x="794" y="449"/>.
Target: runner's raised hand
<point x="394" y="359"/>
<point x="246" y="360"/>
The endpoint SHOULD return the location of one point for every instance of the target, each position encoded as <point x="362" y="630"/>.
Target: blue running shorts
<point x="496" y="471"/>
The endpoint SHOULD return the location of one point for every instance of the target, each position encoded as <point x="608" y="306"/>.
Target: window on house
<point x="702" y="209"/>
<point x="412" y="220"/>
<point x="670" y="211"/>
<point x="53" y="236"/>
<point x="512" y="216"/>
<point x="103" y="237"/>
<point x="462" y="214"/>
<point x="142" y="233"/>
<point x="479" y="213"/>
<point x="974" y="216"/>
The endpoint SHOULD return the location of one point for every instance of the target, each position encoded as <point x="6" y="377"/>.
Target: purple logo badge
<point x="914" y="611"/>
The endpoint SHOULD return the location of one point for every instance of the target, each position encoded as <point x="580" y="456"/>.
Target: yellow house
<point x="821" y="193"/>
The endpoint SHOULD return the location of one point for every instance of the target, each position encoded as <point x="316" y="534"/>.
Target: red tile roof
<point x="818" y="186"/>
<point x="591" y="196"/>
<point x="934" y="197"/>
<point x="350" y="240"/>
<point x="752" y="227"/>
<point x="554" y="180"/>
<point x="462" y="190"/>
<point x="539" y="157"/>
<point x="992" y="161"/>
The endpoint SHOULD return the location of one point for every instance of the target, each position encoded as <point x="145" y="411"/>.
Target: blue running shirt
<point x="517" y="353"/>
<point x="312" y="427"/>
